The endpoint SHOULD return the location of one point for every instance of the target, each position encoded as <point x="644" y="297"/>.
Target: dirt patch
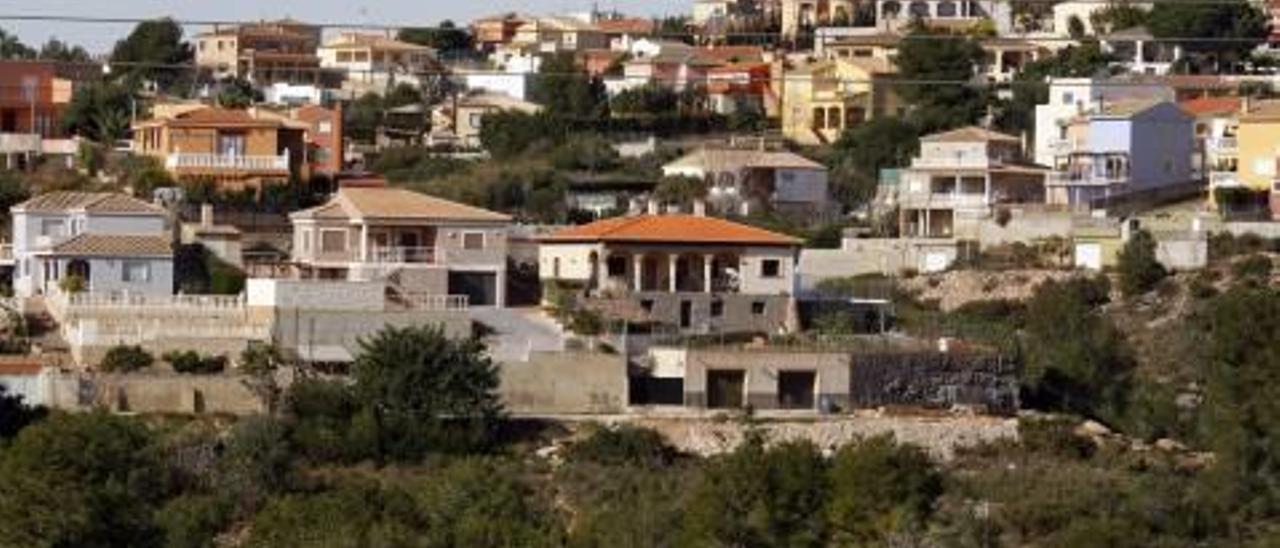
<point x="956" y="288"/>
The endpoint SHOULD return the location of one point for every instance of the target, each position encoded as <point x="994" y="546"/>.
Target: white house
<point x="113" y="242"/>
<point x="1073" y="97"/>
<point x="742" y="182"/>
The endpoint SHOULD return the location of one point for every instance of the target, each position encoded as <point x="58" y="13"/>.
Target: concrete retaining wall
<point x="565" y="382"/>
<point x="761" y="375"/>
<point x="154" y="393"/>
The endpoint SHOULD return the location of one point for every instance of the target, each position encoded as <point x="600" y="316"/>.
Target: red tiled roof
<point x="631" y="25"/>
<point x="674" y="229"/>
<point x="1211" y="105"/>
<point x="20" y="365"/>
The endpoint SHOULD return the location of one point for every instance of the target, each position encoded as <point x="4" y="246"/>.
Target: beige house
<point x="265" y="52"/>
<point x="822" y="99"/>
<point x="422" y="246"/>
<point x="801" y="16"/>
<point x="695" y="273"/>
<point x="556" y="34"/>
<point x="373" y="63"/>
<point x="460" y="122"/>
<point x="231" y="147"/>
<point x="959" y="180"/>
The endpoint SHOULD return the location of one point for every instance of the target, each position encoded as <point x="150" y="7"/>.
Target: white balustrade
<point x="186" y="160"/>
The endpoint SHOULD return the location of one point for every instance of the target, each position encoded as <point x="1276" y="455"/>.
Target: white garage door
<point x="1089" y="256"/>
<point x="936" y="261"/>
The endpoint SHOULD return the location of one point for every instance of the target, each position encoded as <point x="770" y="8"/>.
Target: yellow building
<point x="820" y="100"/>
<point x="1258" y="145"/>
<point x="231" y="148"/>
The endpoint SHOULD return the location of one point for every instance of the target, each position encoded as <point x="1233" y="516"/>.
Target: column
<point x="671" y="271"/>
<point x="706" y="272"/>
<point x="986" y="188"/>
<point x="637" y="271"/>
<point x="364" y="242"/>
<point x="500" y="292"/>
<point x="602" y="269"/>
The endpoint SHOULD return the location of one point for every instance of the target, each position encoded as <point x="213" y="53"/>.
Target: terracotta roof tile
<point x="719" y="158"/>
<point x="97" y="202"/>
<point x="970" y="134"/>
<point x="630" y="25"/>
<point x="673" y="229"/>
<point x="20" y="366"/>
<point x="115" y="245"/>
<point x="1211" y="105"/>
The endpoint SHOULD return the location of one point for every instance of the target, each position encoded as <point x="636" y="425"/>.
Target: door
<point x="231" y="144"/>
<point x="686" y="314"/>
<point x="1089" y="256"/>
<point x="726" y="388"/>
<point x="796" y="389"/>
<point x="481" y="288"/>
<point x="9" y="121"/>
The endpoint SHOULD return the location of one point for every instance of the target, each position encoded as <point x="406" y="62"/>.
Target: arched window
<point x="919" y="9"/>
<point x="947" y="9"/>
<point x="834" y="119"/>
<point x="819" y="118"/>
<point x="890" y="9"/>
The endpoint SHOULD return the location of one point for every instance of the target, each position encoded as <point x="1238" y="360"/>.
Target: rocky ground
<point x="955" y="288"/>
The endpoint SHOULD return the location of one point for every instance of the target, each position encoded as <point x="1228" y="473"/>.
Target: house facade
<point x="559" y="34"/>
<point x="264" y="53"/>
<point x="688" y="272"/>
<point x="374" y="63"/>
<point x="113" y="243"/>
<point x="742" y="182"/>
<point x="1215" y="160"/>
<point x="420" y="245"/>
<point x="960" y="178"/>
<point x="324" y="138"/>
<point x="32" y="103"/>
<point x="460" y="122"/>
<point x="822" y="99"/>
<point x="1124" y="148"/>
<point x="230" y="147"/>
<point x="1258" y="153"/>
<point x="1070" y="98"/>
<point x="1138" y="52"/>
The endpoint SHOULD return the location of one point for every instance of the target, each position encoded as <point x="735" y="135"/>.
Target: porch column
<point x="706" y="272"/>
<point x="986" y="189"/>
<point x="364" y="242"/>
<point x="602" y="269"/>
<point x="671" y="271"/>
<point x="955" y="189"/>
<point x="637" y="271"/>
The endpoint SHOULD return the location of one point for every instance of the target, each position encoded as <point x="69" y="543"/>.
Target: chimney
<point x="652" y="207"/>
<point x="206" y="215"/>
<point x="699" y="207"/>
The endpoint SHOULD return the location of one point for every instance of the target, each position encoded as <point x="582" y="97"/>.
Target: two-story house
<point x="489" y="33"/>
<point x="421" y="245"/>
<point x="557" y="34"/>
<point x="113" y="243"/>
<point x="459" y="122"/>
<point x="1258" y="153"/>
<point x="959" y="178"/>
<point x="264" y="53"/>
<point x="694" y="273"/>
<point x="1123" y="148"/>
<point x="745" y="181"/>
<point x="233" y="148"/>
<point x="373" y="63"/>
<point x="1215" y="159"/>
<point x="822" y="99"/>
<point x="959" y="15"/>
<point x="1138" y="52"/>
<point x="32" y="101"/>
<point x="1070" y="98"/>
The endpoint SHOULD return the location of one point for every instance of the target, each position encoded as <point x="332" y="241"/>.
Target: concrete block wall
<point x="154" y="393"/>
<point x="761" y="368"/>
<point x="565" y="382"/>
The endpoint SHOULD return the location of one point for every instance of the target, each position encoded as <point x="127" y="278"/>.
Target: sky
<point x="99" y="37"/>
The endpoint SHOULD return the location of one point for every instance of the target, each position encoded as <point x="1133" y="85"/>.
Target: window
<point x="344" y="57"/>
<point x="1068" y="98"/>
<point x="647" y="305"/>
<point x="475" y="120"/>
<point x="617" y="266"/>
<point x="472" y="240"/>
<point x="136" y="271"/>
<point x="717" y="309"/>
<point x="770" y="268"/>
<point x="361" y="57"/>
<point x="52" y="227"/>
<point x="757" y="308"/>
<point x="326" y="127"/>
<point x="333" y="241"/>
<point x="306" y="240"/>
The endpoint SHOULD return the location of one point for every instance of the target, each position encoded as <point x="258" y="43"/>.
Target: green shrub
<point x="192" y="363"/>
<point x="73" y="283"/>
<point x="1139" y="270"/>
<point x="1254" y="267"/>
<point x="126" y="359"/>
<point x="622" y="445"/>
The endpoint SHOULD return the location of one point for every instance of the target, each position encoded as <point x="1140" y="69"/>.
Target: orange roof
<point x="20" y="366"/>
<point x="674" y="229"/>
<point x="1211" y="105"/>
<point x="629" y="25"/>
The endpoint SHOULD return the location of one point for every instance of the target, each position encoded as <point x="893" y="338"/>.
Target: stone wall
<point x="935" y="380"/>
<point x="738" y="313"/>
<point x="565" y="383"/>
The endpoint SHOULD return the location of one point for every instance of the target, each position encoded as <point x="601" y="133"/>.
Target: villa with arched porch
<point x="693" y="272"/>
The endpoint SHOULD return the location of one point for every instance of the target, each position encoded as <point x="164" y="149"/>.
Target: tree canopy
<point x="937" y="67"/>
<point x="152" y="52"/>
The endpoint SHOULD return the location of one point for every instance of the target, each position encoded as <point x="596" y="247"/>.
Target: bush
<point x="72" y="283"/>
<point x="1256" y="267"/>
<point x="192" y="363"/>
<point x="1139" y="270"/>
<point x="623" y="445"/>
<point x="126" y="359"/>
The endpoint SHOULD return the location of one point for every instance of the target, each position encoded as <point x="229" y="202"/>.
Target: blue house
<point x="1123" y="148"/>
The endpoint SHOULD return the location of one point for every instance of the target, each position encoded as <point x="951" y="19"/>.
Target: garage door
<point x="480" y="287"/>
<point x="1089" y="256"/>
<point x="936" y="261"/>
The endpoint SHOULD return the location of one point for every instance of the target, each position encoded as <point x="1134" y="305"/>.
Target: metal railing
<point x="404" y="255"/>
<point x="1221" y="179"/>
<point x="1062" y="178"/>
<point x="1221" y="145"/>
<point x="436" y="303"/>
<point x="186" y="160"/>
<point x="87" y="332"/>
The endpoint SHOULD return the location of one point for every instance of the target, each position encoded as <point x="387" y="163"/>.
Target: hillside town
<point x="1027" y="242"/>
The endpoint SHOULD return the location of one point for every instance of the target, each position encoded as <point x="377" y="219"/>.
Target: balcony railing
<point x="13" y="143"/>
<point x="404" y="255"/>
<point x="1224" y="179"/>
<point x="1221" y="145"/>
<point x="1062" y="178"/>
<point x="227" y="162"/>
<point x="968" y="161"/>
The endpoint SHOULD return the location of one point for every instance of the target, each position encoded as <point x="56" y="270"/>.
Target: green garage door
<point x="481" y="287"/>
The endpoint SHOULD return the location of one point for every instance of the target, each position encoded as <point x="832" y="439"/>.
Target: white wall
<point x="315" y="295"/>
<point x="750" y="267"/>
<point x="106" y="275"/>
<point x="800" y="185"/>
<point x="574" y="259"/>
<point x="513" y="85"/>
